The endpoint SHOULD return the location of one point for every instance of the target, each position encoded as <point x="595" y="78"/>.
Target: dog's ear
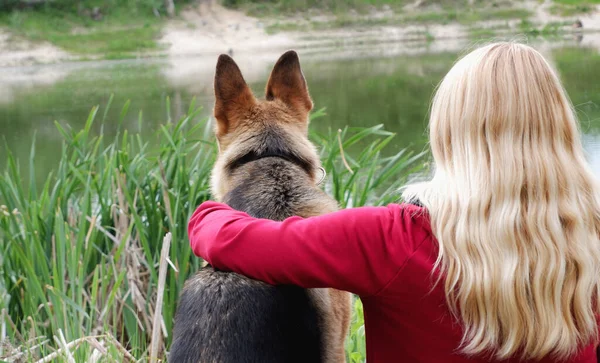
<point x="287" y="83"/>
<point x="233" y="97"/>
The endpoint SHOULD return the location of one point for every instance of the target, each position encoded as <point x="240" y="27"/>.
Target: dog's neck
<point x="254" y="156"/>
<point x="275" y="186"/>
<point x="415" y="202"/>
<point x="274" y="153"/>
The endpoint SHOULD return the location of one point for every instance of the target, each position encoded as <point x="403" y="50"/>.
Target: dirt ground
<point x="20" y="52"/>
<point x="210" y="28"/>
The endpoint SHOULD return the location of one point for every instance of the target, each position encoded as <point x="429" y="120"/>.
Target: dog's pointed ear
<point x="287" y="83"/>
<point x="233" y="97"/>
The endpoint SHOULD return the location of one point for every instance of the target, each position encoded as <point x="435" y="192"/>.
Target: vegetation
<point x="357" y="92"/>
<point x="468" y="17"/>
<point x="482" y="33"/>
<point x="106" y="29"/>
<point x="270" y="7"/>
<point x="551" y="29"/>
<point x="86" y="7"/>
<point x="116" y="29"/>
<point x="446" y="16"/>
<point x="119" y="35"/>
<point x="577" y="2"/>
<point x="81" y="255"/>
<point x="357" y="13"/>
<point x="30" y="115"/>
<point x="573" y="7"/>
<point x="450" y="12"/>
<point x="293" y="6"/>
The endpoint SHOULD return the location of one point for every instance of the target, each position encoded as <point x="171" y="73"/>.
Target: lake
<point x="387" y="84"/>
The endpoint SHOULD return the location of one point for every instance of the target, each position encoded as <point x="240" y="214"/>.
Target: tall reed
<point x="80" y="254"/>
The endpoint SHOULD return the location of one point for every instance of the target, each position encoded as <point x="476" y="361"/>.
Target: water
<point x="390" y="85"/>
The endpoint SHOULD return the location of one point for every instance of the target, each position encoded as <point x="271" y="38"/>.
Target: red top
<point x="383" y="254"/>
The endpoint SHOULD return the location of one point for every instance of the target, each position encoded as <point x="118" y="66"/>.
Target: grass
<point x="469" y="17"/>
<point x="286" y="7"/>
<point x="68" y="100"/>
<point x="81" y="254"/>
<point x="570" y="8"/>
<point x="482" y="33"/>
<point x="125" y="30"/>
<point x="119" y="34"/>
<point x="356" y="349"/>
<point x="549" y="30"/>
<point x="464" y="17"/>
<point x="577" y="2"/>
<point x="355" y="13"/>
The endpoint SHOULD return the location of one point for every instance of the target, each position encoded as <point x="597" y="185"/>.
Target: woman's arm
<point x="358" y="250"/>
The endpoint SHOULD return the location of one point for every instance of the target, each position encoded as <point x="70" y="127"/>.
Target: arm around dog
<point x="359" y="250"/>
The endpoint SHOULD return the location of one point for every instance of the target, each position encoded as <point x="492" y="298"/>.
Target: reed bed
<point x="93" y="260"/>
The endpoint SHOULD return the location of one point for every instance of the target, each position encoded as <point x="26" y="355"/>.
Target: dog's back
<point x="268" y="170"/>
<point x="224" y="317"/>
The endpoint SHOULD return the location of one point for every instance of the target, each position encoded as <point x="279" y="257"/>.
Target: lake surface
<point x="385" y="84"/>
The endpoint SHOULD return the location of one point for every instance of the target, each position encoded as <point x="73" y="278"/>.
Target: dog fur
<point x="267" y="168"/>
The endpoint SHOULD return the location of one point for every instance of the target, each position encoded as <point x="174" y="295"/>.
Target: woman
<point x="498" y="260"/>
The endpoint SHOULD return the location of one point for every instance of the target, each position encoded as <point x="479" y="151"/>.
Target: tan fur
<point x="240" y="117"/>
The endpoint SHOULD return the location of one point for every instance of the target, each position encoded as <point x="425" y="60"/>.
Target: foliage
<point x="76" y="6"/>
<point x="463" y="11"/>
<point x="80" y="255"/>
<point x="289" y="6"/>
<point x="67" y="100"/>
<point x="110" y="29"/>
<point x="577" y="2"/>
<point x="572" y="8"/>
<point x="353" y="179"/>
<point x="463" y="15"/>
<point x="356" y="349"/>
<point x="118" y="35"/>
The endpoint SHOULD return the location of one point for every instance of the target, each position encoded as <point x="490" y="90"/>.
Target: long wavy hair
<point x="514" y="207"/>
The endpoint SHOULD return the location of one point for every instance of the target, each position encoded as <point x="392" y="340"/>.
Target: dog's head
<point x="247" y="127"/>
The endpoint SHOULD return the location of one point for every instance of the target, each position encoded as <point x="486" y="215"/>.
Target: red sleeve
<point x="358" y="250"/>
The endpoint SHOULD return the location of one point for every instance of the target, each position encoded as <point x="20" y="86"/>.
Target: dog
<point x="266" y="167"/>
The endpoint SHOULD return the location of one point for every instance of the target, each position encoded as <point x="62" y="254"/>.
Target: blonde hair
<point x="514" y="207"/>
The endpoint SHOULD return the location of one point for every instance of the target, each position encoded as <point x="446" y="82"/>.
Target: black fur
<point x="271" y="142"/>
<point x="227" y="318"/>
<point x="415" y="202"/>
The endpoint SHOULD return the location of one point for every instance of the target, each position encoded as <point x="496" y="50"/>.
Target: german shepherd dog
<point x="268" y="168"/>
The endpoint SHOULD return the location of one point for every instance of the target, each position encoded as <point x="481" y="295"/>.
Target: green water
<point x="369" y="89"/>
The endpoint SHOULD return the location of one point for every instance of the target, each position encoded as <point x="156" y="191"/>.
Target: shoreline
<point x="209" y="29"/>
<point x="195" y="72"/>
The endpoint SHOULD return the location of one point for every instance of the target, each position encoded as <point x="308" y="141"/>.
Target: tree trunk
<point x="170" y="7"/>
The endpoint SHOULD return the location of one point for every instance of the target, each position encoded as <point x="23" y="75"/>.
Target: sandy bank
<point x="209" y="28"/>
<point x="21" y="52"/>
